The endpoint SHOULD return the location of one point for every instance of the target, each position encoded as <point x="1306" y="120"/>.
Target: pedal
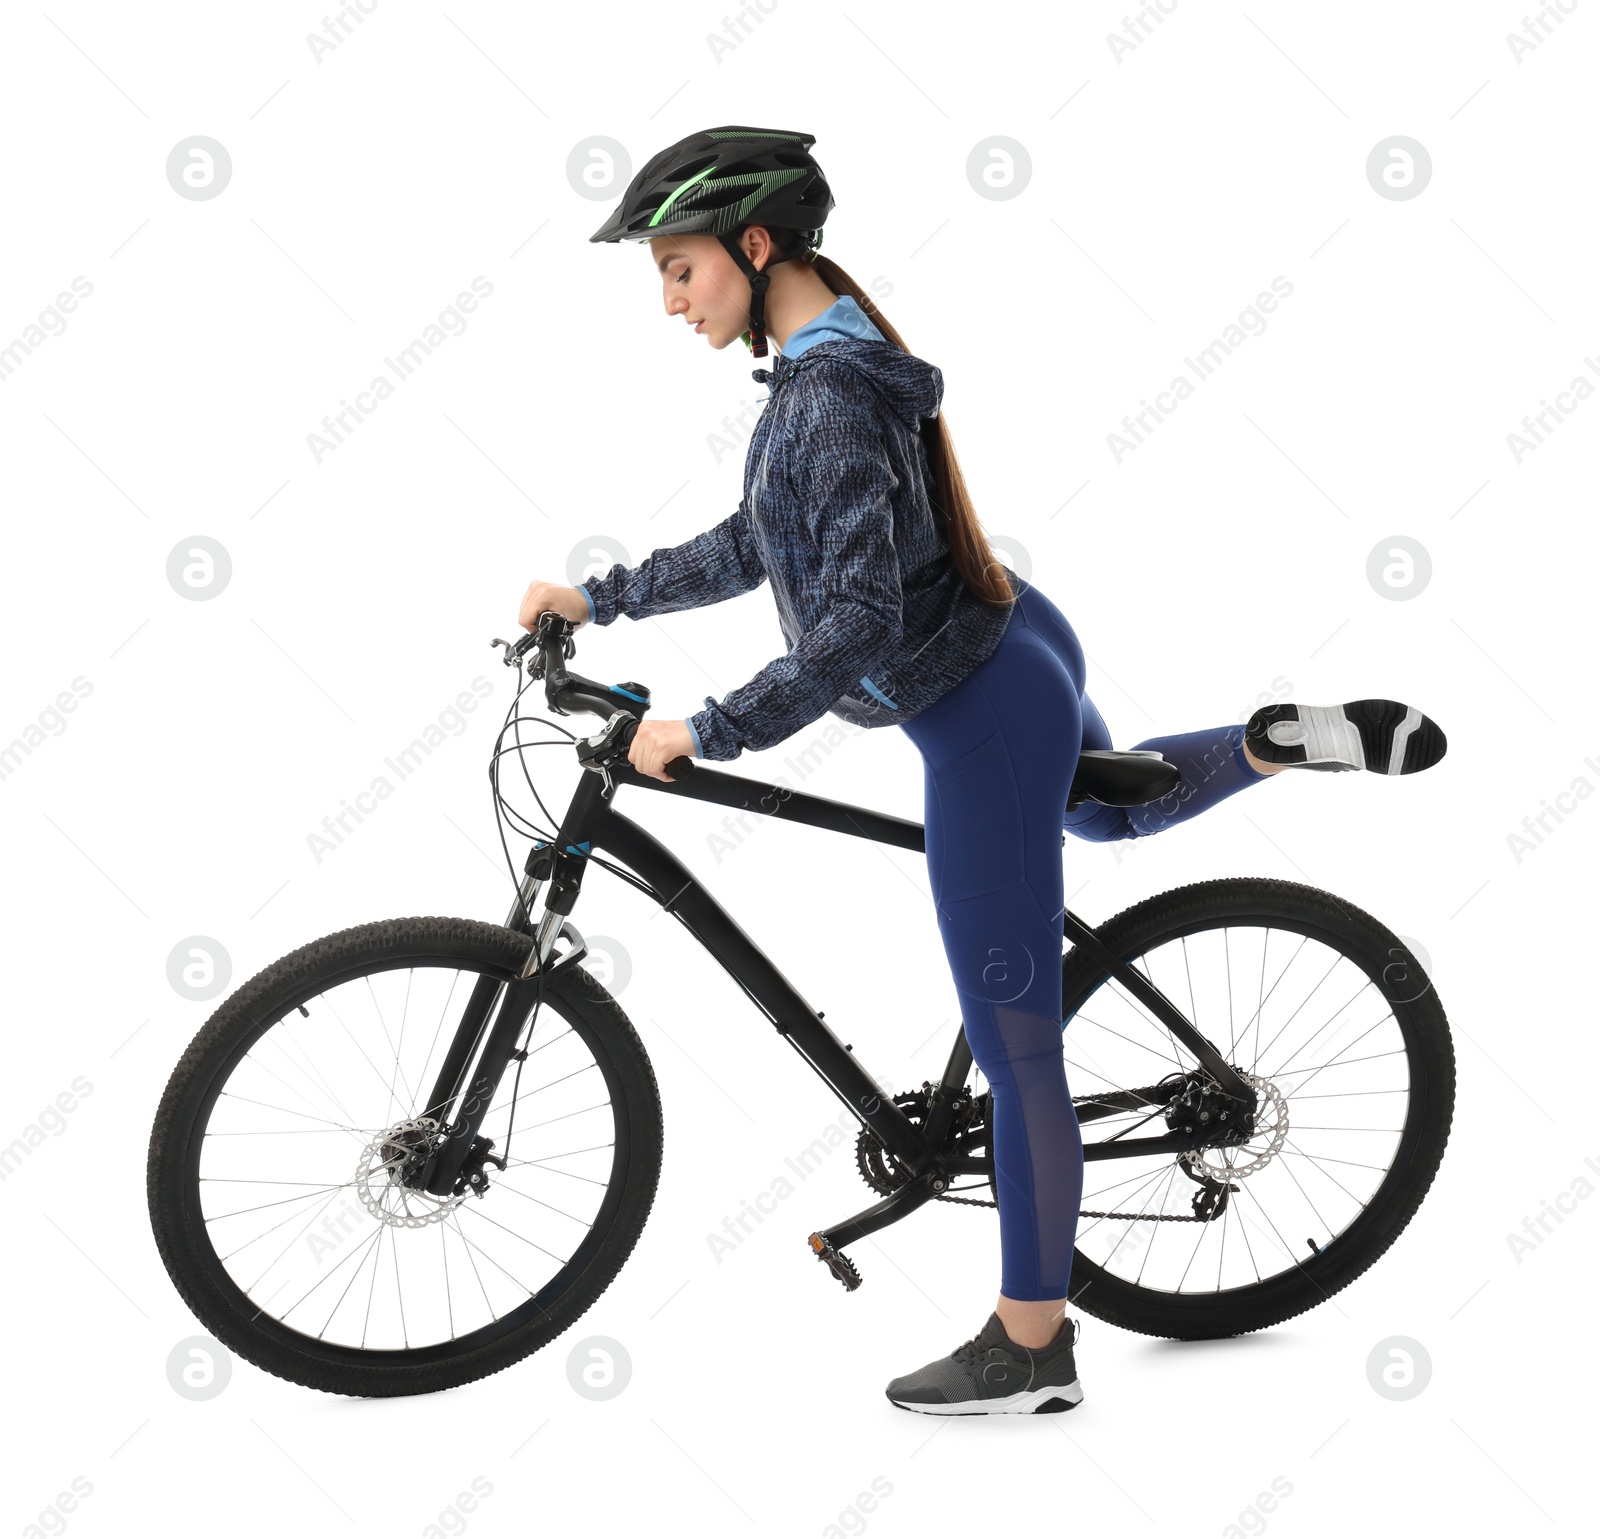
<point x="836" y="1261"/>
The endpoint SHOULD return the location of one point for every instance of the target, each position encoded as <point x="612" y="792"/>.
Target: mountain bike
<point x="412" y="1152"/>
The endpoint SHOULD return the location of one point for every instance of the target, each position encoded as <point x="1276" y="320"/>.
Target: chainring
<point x="885" y="1174"/>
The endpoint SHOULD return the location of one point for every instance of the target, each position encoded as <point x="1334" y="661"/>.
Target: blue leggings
<point x="999" y="752"/>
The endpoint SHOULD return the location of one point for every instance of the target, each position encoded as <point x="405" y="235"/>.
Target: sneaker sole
<point x="1379" y="735"/>
<point x="1052" y="1398"/>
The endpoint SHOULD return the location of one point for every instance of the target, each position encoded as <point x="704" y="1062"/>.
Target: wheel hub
<point x="386" y="1163"/>
<point x="1203" y="1106"/>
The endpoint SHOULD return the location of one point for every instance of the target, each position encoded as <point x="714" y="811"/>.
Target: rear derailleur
<point x="1197" y="1105"/>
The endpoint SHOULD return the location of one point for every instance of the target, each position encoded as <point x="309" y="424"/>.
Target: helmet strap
<point x="756" y="337"/>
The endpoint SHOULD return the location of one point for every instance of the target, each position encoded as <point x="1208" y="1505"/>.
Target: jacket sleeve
<point x="842" y="479"/>
<point x="713" y="566"/>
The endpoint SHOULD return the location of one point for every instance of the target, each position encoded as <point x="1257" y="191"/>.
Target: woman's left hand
<point x="656" y="743"/>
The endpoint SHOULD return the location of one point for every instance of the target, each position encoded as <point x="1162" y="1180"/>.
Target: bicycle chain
<point x="1172" y="1218"/>
<point x="868" y="1148"/>
<point x="1162" y="1218"/>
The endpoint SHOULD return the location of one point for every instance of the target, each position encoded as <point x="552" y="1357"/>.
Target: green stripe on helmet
<point x="761" y="184"/>
<point x="676" y="193"/>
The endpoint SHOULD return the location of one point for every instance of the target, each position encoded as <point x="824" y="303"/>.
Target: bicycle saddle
<point x="1126" y="779"/>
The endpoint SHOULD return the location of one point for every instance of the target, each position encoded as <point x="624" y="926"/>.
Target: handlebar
<point x="622" y="705"/>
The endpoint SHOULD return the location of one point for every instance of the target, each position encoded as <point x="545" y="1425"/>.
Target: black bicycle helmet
<point x="718" y="181"/>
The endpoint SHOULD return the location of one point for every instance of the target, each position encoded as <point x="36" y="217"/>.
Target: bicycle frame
<point x="592" y="823"/>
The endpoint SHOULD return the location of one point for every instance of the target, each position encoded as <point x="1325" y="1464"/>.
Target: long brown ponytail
<point x="970" y="553"/>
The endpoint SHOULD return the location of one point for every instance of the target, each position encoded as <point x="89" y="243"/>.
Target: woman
<point x="896" y="612"/>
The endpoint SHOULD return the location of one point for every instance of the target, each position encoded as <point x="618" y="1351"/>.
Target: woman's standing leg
<point x="999" y="750"/>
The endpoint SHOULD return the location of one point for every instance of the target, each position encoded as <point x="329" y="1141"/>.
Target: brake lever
<point x="513" y="649"/>
<point x="597" y="751"/>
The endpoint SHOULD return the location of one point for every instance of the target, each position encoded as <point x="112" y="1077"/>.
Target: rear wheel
<point x="278" y="1151"/>
<point x="1352" y="1061"/>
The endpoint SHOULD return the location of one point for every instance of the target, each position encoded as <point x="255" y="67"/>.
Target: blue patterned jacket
<point x="837" y="512"/>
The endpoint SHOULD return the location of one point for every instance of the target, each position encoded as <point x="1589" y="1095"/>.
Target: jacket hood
<point x="912" y="387"/>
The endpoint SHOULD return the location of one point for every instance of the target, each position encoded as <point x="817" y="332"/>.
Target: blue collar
<point x="843" y="318"/>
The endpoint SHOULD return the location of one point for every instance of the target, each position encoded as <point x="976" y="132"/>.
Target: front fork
<point x="485" y="1041"/>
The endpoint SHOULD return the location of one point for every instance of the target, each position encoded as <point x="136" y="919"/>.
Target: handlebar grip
<point x="676" y="769"/>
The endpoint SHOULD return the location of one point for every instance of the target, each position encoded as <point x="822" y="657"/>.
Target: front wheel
<point x="1347" y="1046"/>
<point x="274" y="1175"/>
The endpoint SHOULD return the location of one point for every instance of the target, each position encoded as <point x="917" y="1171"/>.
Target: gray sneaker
<point x="1380" y="735"/>
<point x="991" y="1373"/>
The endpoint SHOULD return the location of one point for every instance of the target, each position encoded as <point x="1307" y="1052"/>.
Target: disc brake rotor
<point x="1271" y="1123"/>
<point x="378" y="1175"/>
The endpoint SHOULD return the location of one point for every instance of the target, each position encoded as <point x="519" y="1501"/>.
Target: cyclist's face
<point x="703" y="284"/>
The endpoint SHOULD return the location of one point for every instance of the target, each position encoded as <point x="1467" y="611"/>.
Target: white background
<point x="1168" y="186"/>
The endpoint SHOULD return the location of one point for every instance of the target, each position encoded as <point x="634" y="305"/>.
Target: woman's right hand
<point x="543" y="596"/>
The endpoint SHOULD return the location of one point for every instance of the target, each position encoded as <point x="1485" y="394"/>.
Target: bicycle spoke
<point x="289" y="1112"/>
<point x="369" y="1249"/>
<point x="1366" y="983"/>
<point x="492" y="1262"/>
<point x="529" y="1197"/>
<point x="383" y="1025"/>
<point x="1342" y="1051"/>
<point x="394" y="1251"/>
<point x="444" y="1262"/>
<point x="1303" y="1003"/>
<point x="554" y="1171"/>
<point x="273" y="1132"/>
<point x="471" y="1260"/>
<point x="288" y="1218"/>
<point x="1310" y="1201"/>
<point x="523" y="1095"/>
<point x="366" y="1321"/>
<point x="216" y="1218"/>
<point x="549" y="1121"/>
<point x="1324" y="1159"/>
<point x="1227" y="967"/>
<point x="319" y="1282"/>
<point x="285" y="1251"/>
<point x="288" y="1031"/>
<point x="1172" y="1176"/>
<point x="512" y="1164"/>
<point x="282" y="1081"/>
<point x="1397" y="1052"/>
<point x="513" y="1233"/>
<point x="1194" y="1014"/>
<point x="377" y="1072"/>
<point x="1142" y="1046"/>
